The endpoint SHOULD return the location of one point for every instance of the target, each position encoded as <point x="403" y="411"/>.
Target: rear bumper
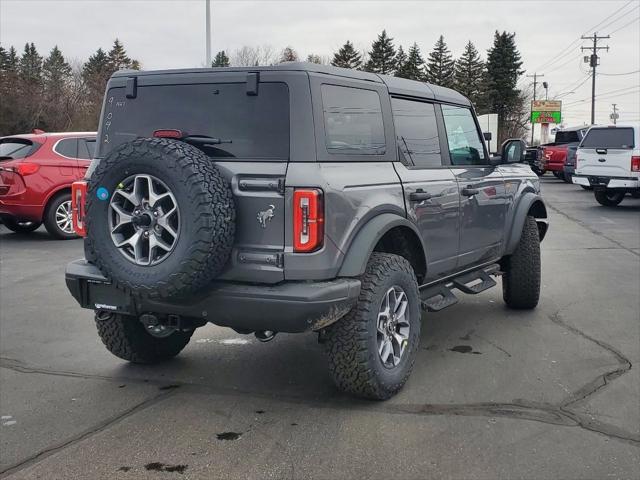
<point x="21" y="212"/>
<point x="286" y="307"/>
<point x="606" y="182"/>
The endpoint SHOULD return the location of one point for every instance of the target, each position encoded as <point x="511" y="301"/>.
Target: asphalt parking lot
<point x="552" y="393"/>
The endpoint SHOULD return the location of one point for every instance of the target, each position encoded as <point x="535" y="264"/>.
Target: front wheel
<point x="20" y="227"/>
<point x="372" y="349"/>
<point x="126" y="337"/>
<point x="608" y="198"/>
<point x="521" y="279"/>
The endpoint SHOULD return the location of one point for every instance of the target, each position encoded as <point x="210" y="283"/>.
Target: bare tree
<point x="247" y="56"/>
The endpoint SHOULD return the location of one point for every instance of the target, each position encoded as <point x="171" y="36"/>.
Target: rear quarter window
<point x="352" y="121"/>
<point x="67" y="147"/>
<point x="613" y="138"/>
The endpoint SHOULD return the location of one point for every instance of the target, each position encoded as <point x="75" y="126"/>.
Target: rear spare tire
<point x="160" y="218"/>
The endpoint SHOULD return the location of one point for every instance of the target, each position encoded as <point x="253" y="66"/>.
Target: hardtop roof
<point x="396" y="85"/>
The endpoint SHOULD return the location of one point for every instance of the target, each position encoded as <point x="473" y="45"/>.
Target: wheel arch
<point x="53" y="194"/>
<point x="389" y="233"/>
<point x="530" y="204"/>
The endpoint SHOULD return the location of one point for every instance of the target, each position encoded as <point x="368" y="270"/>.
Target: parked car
<point x="554" y="155"/>
<point x="297" y="198"/>
<point x="608" y="160"/>
<point x="36" y="173"/>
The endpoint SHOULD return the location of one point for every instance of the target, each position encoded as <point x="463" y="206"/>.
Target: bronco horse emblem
<point x="265" y="216"/>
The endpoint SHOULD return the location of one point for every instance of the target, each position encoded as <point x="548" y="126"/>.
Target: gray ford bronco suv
<point x="297" y="198"/>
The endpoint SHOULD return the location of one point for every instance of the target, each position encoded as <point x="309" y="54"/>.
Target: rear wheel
<point x="567" y="177"/>
<point x="608" y="198"/>
<point x="521" y="279"/>
<point x="57" y="217"/>
<point x="126" y="337"/>
<point x="586" y="188"/>
<point x="372" y="349"/>
<point x="20" y="227"/>
<point x="558" y="175"/>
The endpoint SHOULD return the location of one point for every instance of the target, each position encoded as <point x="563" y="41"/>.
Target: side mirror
<point x="513" y="151"/>
<point x="487" y="136"/>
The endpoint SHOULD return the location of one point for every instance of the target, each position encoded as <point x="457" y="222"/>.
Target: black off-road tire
<point x="20" y="227"/>
<point x="206" y="209"/>
<point x="126" y="337"/>
<point x="521" y="279"/>
<point x="608" y="198"/>
<point x="351" y="342"/>
<point x="50" y="217"/>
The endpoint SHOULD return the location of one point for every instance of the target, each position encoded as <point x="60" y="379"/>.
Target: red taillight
<point x="308" y="220"/>
<point x="168" y="133"/>
<point x="635" y="164"/>
<point x="25" y="168"/>
<point x="78" y="198"/>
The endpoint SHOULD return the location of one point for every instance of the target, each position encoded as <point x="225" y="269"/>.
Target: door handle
<point x="419" y="195"/>
<point x="470" y="191"/>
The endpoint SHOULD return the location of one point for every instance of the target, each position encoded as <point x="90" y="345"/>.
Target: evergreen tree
<point x="13" y="60"/>
<point x="288" y="55"/>
<point x="347" y="57"/>
<point x="382" y="57"/>
<point x="503" y="72"/>
<point x="55" y="71"/>
<point x="221" y="59"/>
<point x="469" y="76"/>
<point x="401" y="59"/>
<point x="118" y="58"/>
<point x="413" y="68"/>
<point x="30" y="66"/>
<point x="440" y="65"/>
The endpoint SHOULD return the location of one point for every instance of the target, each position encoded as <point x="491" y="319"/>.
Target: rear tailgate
<point x="606" y="152"/>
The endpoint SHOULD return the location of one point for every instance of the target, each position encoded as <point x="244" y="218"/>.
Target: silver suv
<point x="297" y="198"/>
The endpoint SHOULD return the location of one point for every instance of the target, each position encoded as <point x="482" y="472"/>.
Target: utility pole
<point x="208" y="34"/>
<point x="593" y="63"/>
<point x="614" y="116"/>
<point x="535" y="85"/>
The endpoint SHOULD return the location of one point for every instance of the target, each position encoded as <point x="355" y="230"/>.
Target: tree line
<point x="55" y="94"/>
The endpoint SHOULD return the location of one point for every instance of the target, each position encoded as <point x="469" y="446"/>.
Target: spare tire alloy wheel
<point x="144" y="219"/>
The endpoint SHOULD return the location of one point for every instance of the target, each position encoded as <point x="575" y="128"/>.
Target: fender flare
<point x="528" y="202"/>
<point x="362" y="245"/>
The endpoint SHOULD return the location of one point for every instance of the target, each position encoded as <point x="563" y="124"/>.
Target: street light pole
<point x="208" y="34"/>
<point x="535" y="84"/>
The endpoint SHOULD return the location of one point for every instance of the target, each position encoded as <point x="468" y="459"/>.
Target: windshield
<point x="620" y="138"/>
<point x="248" y="126"/>
<point x="16" y="148"/>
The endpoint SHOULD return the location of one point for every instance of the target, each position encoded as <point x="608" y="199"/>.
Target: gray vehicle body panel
<point x="365" y="196"/>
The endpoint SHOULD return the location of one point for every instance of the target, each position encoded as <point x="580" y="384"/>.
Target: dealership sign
<point x="546" y="111"/>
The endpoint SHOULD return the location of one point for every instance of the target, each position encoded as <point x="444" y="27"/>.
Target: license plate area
<point x="599" y="181"/>
<point x="105" y="297"/>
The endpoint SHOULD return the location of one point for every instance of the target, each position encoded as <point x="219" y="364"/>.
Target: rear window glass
<point x="621" y="138"/>
<point x="352" y="121"/>
<point x="248" y="126"/>
<point x="16" y="148"/>
<point x="568" y="137"/>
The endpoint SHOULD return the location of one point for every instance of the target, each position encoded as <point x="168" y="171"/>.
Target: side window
<point x="86" y="146"/>
<point x="417" y="132"/>
<point x="352" y="121"/>
<point x="67" y="147"/>
<point x="465" y="144"/>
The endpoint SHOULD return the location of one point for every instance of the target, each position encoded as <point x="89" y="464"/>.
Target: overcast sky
<point x="170" y="34"/>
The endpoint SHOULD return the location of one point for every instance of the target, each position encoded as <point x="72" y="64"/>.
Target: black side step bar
<point x="439" y="297"/>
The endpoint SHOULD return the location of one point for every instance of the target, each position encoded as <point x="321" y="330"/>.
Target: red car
<point x="554" y="155"/>
<point x="36" y="173"/>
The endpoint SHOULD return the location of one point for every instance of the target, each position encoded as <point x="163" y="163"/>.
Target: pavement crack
<point x="42" y="454"/>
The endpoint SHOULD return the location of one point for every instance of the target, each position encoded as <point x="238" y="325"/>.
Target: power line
<point x="625" y="25"/>
<point x="619" y="18"/>
<point x="572" y="44"/>
<point x="619" y="74"/>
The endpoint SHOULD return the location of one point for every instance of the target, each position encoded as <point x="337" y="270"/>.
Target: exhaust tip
<point x="265" y="335"/>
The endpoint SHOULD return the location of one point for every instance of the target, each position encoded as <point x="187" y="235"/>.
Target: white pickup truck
<point x="608" y="160"/>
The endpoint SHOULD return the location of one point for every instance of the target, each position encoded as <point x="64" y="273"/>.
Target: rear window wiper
<point x="204" y="140"/>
